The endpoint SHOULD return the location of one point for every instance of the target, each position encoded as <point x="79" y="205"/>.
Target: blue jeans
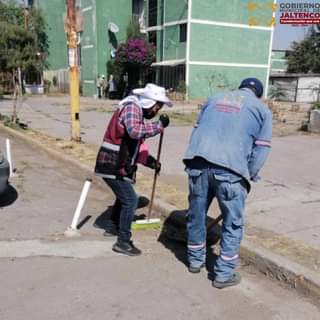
<point x="230" y="191"/>
<point x="128" y="202"/>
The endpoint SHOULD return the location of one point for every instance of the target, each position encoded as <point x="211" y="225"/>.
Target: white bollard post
<point x="8" y="148"/>
<point x="72" y="230"/>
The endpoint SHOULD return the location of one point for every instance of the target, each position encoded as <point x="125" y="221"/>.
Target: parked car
<point x="4" y="174"/>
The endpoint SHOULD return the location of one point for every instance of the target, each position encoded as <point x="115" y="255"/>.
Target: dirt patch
<point x="293" y="249"/>
<point x="86" y="153"/>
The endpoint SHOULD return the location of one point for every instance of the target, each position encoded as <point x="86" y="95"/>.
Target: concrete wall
<point x="308" y="89"/>
<point x="292" y="114"/>
<point x="298" y="87"/>
<point x="314" y="125"/>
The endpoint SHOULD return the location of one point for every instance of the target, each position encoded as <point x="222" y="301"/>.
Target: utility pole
<point x="26" y="17"/>
<point x="73" y="70"/>
<point x="17" y="80"/>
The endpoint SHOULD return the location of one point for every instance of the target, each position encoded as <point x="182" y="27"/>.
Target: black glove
<point x="164" y="118"/>
<point x="153" y="164"/>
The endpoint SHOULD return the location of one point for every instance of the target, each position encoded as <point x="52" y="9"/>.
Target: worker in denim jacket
<point x="228" y="147"/>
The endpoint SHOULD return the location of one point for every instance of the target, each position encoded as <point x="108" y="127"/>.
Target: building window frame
<point x="152" y="13"/>
<point x="183" y="29"/>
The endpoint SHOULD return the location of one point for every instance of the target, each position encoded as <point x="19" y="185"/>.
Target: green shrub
<point x="54" y="81"/>
<point x="316" y="105"/>
<point x="181" y="87"/>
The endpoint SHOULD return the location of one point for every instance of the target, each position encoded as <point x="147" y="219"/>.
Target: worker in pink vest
<point x="122" y="149"/>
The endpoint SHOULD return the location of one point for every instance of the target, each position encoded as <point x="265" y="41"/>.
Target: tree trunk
<point x="15" y="96"/>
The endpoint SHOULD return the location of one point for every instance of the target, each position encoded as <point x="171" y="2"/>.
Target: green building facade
<point x="211" y="44"/>
<point x="203" y="45"/>
<point x="95" y="40"/>
<point x="279" y="61"/>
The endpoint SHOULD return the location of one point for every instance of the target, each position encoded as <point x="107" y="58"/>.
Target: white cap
<point x="153" y="92"/>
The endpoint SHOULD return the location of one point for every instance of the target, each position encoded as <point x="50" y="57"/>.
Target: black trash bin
<point x="4" y="174"/>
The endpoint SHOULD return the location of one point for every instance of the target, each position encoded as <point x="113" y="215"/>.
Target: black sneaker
<point x="194" y="269"/>
<point x="126" y="248"/>
<point x="233" y="281"/>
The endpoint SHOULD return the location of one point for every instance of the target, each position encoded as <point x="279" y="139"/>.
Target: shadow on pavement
<point x="103" y="220"/>
<point x="8" y="197"/>
<point x="173" y="236"/>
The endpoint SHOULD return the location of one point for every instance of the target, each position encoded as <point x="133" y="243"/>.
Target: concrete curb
<point x="282" y="269"/>
<point x="273" y="265"/>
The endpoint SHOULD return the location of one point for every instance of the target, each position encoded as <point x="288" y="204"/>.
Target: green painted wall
<point x="208" y="80"/>
<point x="160" y="44"/>
<point x="175" y="10"/>
<point x="53" y="12"/>
<point x="278" y="61"/>
<point x="278" y="65"/>
<point x="228" y="44"/>
<point x="233" y="11"/>
<point x="89" y="48"/>
<point x="118" y="12"/>
<point x="173" y="49"/>
<point x="96" y="42"/>
<point x="278" y="54"/>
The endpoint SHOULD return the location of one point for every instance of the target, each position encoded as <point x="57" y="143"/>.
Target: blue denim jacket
<point x="234" y="131"/>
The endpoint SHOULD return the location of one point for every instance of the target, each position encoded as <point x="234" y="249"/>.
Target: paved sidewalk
<point x="46" y="276"/>
<point x="282" y="211"/>
<point x="38" y="181"/>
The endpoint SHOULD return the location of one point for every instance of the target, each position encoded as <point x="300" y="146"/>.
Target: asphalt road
<point x="46" y="276"/>
<point x="285" y="201"/>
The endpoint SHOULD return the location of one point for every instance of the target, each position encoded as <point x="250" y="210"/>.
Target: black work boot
<point x="233" y="281"/>
<point x="126" y="247"/>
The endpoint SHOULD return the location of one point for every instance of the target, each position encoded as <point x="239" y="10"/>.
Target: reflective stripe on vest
<point x="110" y="146"/>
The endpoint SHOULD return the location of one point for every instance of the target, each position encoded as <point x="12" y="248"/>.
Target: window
<point x="183" y="32"/>
<point x="153" y="37"/>
<point x="153" y="12"/>
<point x="137" y="7"/>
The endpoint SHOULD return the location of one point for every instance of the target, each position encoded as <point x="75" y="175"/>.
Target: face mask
<point x="149" y="113"/>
